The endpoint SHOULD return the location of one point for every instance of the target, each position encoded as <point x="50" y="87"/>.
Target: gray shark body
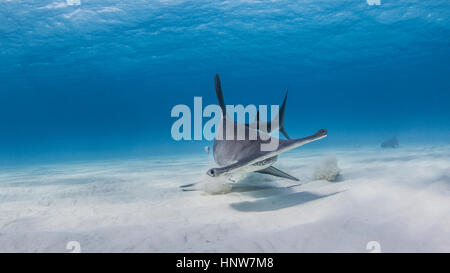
<point x="243" y="156"/>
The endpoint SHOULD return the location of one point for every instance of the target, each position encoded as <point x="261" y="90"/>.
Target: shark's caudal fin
<point x="276" y="172"/>
<point x="270" y="127"/>
<point x="220" y="94"/>
<point x="281" y="117"/>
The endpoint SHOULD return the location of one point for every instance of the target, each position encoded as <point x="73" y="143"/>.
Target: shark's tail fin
<point x="219" y="94"/>
<point x="281" y="117"/>
<point x="269" y="126"/>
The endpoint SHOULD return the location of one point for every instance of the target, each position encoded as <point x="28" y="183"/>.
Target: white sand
<point x="399" y="198"/>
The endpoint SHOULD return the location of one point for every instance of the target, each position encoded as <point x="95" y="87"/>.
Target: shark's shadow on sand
<point x="270" y="197"/>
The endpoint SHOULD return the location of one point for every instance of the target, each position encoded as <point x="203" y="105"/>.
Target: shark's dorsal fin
<point x="255" y="125"/>
<point x="219" y="94"/>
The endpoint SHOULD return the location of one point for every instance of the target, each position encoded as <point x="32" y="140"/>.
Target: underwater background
<point x="97" y="79"/>
<point x="87" y="156"/>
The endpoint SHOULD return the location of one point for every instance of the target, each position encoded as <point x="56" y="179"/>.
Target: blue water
<point x="99" y="79"/>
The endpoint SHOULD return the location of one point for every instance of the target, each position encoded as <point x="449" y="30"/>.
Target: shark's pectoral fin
<point x="276" y="172"/>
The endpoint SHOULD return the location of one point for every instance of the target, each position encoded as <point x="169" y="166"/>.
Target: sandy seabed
<point x="399" y="198"/>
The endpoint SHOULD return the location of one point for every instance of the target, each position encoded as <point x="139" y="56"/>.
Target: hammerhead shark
<point x="234" y="155"/>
